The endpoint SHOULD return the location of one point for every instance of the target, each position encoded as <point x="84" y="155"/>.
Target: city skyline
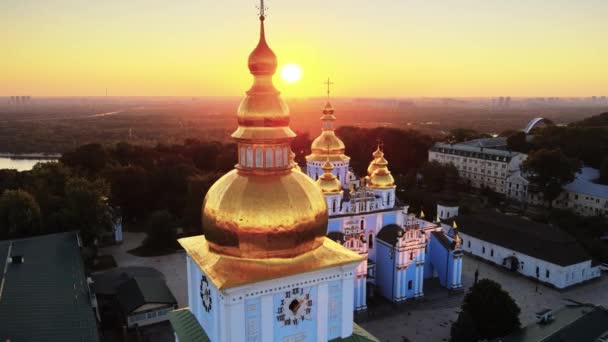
<point x="386" y="49"/>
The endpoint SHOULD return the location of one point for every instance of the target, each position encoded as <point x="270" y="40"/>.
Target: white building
<point x="483" y="167"/>
<point x="584" y="196"/>
<point x="532" y="249"/>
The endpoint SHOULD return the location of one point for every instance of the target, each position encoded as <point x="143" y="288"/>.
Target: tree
<point x="464" y="329"/>
<point x="160" y="232"/>
<point x="549" y="171"/>
<point x="86" y="209"/>
<point x="19" y="214"/>
<point x="488" y="312"/>
<point x="463" y="134"/>
<point x="438" y="176"/>
<point x="517" y="142"/>
<point x="88" y="159"/>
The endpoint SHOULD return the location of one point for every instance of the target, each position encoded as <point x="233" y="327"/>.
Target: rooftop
<point x="46" y="297"/>
<point x="584" y="183"/>
<point x="571" y="324"/>
<point x="473" y="151"/>
<point x="228" y="272"/>
<point x="525" y="236"/>
<point x="139" y="291"/>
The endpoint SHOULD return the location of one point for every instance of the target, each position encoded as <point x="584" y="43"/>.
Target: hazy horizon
<point x="471" y="48"/>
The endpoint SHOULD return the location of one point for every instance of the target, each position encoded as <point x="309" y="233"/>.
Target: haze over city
<point x="376" y="49"/>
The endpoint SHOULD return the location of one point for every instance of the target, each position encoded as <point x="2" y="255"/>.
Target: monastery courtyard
<point x="427" y="320"/>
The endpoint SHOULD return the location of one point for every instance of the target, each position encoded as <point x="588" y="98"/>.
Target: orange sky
<point x="369" y="48"/>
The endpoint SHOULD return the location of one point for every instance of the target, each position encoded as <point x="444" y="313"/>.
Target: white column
<point x="454" y="272"/>
<point x="267" y="310"/>
<point x="421" y="281"/>
<point x="347" y="306"/>
<point x="322" y="316"/>
<point x="460" y="270"/>
<point x="189" y="277"/>
<point x="237" y="322"/>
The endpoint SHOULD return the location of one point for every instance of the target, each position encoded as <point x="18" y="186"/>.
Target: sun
<point x="291" y="73"/>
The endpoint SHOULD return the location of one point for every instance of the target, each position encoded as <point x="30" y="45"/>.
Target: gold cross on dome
<point x="262" y="9"/>
<point x="328" y="83"/>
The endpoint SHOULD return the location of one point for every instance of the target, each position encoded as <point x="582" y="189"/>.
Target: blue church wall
<point x="334" y="225"/>
<point x="389" y="218"/>
<point x="410" y="275"/>
<point x="385" y="270"/>
<point x="301" y="330"/>
<point x="442" y="261"/>
<point x="429" y="269"/>
<point x="334" y="314"/>
<point x="253" y="314"/>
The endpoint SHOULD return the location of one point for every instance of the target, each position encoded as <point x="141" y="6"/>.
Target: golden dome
<point x="265" y="208"/>
<point x="327" y="143"/>
<point x="381" y="178"/>
<point x="328" y="181"/>
<point x="260" y="216"/>
<point x="372" y="165"/>
<point x="263" y="114"/>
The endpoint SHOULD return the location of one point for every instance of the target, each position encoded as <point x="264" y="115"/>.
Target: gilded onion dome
<point x="263" y="208"/>
<point x="328" y="181"/>
<point x="327" y="144"/>
<point x="381" y="178"/>
<point x="372" y="165"/>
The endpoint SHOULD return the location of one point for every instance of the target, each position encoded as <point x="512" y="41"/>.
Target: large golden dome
<point x="260" y="216"/>
<point x="264" y="208"/>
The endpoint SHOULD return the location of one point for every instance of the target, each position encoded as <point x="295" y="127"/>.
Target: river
<point x="20" y="163"/>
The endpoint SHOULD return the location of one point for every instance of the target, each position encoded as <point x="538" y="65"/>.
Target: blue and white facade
<point x="401" y="250"/>
<point x="325" y="298"/>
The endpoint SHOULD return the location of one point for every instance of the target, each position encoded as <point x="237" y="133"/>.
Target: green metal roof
<point x="186" y="326"/>
<point x="359" y="335"/>
<point x="46" y="297"/>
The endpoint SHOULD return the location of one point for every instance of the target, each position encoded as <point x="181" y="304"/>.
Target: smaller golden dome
<point x="327" y="143"/>
<point x="372" y="165"/>
<point x="328" y="181"/>
<point x="381" y="178"/>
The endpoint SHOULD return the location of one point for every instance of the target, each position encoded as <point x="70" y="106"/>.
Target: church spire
<point x="263" y="133"/>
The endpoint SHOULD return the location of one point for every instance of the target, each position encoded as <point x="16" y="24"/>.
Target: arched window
<point x="258" y="157"/>
<point x="371" y="240"/>
<point x="285" y="155"/>
<point x="268" y="161"/>
<point x="388" y="199"/>
<point x="249" y="156"/>
<point x="333" y="206"/>
<point x="362" y="224"/>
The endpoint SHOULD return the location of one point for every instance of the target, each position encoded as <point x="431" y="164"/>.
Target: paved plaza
<point x="425" y="320"/>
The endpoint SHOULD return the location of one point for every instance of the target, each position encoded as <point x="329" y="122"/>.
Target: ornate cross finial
<point x="328" y="83"/>
<point x="262" y="10"/>
<point x="380" y="144"/>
